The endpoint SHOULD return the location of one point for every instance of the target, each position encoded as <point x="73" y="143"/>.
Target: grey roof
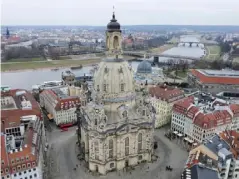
<point x="221" y="73"/>
<point x="144" y="67"/>
<point x="213" y="144"/>
<point x="201" y="172"/>
<point x="60" y="93"/>
<point x="225" y="152"/>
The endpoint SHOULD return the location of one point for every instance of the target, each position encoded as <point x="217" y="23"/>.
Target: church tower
<point x="113" y="38"/>
<point x="7" y="33"/>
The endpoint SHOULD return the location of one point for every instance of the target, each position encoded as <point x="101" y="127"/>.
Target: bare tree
<point x="54" y="53"/>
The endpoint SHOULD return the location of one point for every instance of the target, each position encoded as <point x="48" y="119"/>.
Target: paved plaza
<point x="62" y="159"/>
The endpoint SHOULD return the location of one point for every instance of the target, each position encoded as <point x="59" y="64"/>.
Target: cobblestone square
<point x="63" y="162"/>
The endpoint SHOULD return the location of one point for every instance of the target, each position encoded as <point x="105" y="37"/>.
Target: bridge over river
<point x="156" y="56"/>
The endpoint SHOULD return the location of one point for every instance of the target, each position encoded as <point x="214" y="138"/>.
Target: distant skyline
<point x="128" y="12"/>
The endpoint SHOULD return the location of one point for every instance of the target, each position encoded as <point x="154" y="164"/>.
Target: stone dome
<point x="114" y="82"/>
<point x="113" y="25"/>
<point x="144" y="67"/>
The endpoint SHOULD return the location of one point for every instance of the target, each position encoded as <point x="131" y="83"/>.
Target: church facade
<point x="117" y="125"/>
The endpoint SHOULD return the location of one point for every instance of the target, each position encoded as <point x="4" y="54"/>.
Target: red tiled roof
<point x="12" y="117"/>
<point x="231" y="137"/>
<point x="165" y="93"/>
<point x="26" y="151"/>
<point x="214" y="80"/>
<point x="13" y="39"/>
<point x="67" y="103"/>
<point x="211" y="120"/>
<point x="183" y="105"/>
<point x="204" y="120"/>
<point x="3" y="152"/>
<point x="235" y="109"/>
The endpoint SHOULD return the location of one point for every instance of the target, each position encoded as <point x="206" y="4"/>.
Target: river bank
<point x="31" y="66"/>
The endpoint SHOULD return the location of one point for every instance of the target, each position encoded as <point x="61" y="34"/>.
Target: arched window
<point x="144" y="112"/>
<point x="116" y="42"/>
<point x="122" y="87"/>
<point x="111" y="148"/>
<point x="126" y="146"/>
<point x="124" y="114"/>
<point x="139" y="142"/>
<point x="96" y="144"/>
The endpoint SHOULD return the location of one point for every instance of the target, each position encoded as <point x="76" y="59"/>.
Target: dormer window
<point x="122" y="87"/>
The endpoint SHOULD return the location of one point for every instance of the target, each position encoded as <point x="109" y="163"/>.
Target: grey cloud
<point x="128" y="12"/>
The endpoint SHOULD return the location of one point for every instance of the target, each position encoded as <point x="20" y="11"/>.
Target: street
<point x="62" y="156"/>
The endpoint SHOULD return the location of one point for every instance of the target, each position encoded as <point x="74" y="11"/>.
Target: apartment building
<point x="198" y="121"/>
<point x="216" y="158"/>
<point x="162" y="99"/>
<point x="60" y="105"/>
<point x="21" y="154"/>
<point x="16" y="103"/>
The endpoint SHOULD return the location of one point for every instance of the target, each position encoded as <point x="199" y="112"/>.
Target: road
<point x="63" y="158"/>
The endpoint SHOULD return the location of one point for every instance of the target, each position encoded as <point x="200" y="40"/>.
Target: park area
<point x="213" y="52"/>
<point x="34" y="59"/>
<point x="38" y="64"/>
<point x="162" y="48"/>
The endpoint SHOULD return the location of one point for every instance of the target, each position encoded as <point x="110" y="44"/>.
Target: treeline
<point x="21" y="52"/>
<point x="150" y="43"/>
<point x="216" y="64"/>
<point x="225" y="47"/>
<point x="155" y="42"/>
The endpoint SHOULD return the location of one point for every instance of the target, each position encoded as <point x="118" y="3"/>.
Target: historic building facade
<point x="162" y="99"/>
<point x="117" y="127"/>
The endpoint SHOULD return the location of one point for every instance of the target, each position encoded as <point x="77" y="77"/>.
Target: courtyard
<point x="62" y="162"/>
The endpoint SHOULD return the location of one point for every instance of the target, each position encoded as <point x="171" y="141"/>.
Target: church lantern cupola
<point x="113" y="25"/>
<point x="113" y="39"/>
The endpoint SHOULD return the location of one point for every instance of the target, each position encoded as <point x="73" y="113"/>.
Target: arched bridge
<point x="148" y="55"/>
<point x="191" y="43"/>
<point x="197" y="43"/>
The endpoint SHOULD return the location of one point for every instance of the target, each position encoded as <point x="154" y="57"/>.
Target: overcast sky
<point x="128" y="12"/>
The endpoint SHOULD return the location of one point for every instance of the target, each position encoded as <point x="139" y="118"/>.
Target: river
<point x="26" y="79"/>
<point x="194" y="51"/>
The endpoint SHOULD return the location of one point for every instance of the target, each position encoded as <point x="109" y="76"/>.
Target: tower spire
<point x="113" y="12"/>
<point x="7" y="33"/>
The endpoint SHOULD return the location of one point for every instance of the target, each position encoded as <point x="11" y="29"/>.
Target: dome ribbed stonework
<point x="114" y="82"/>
